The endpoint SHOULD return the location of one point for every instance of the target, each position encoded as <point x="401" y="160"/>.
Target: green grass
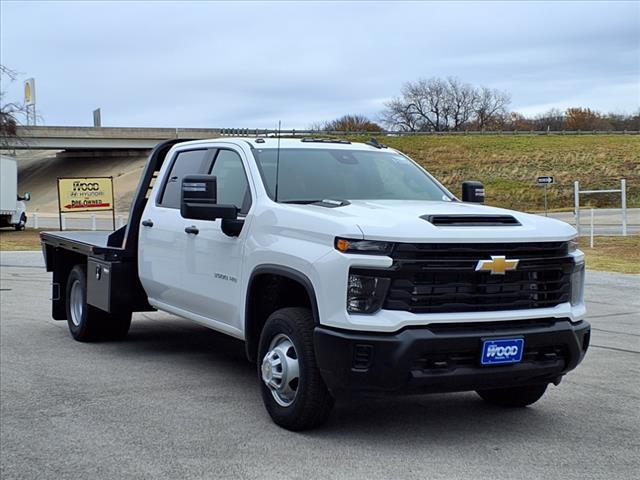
<point x="509" y="164"/>
<point x="612" y="254"/>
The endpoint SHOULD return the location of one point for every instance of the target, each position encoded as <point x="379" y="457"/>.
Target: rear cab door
<point x="162" y="239"/>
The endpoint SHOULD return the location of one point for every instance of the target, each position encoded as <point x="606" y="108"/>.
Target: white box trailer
<point x="12" y="208"/>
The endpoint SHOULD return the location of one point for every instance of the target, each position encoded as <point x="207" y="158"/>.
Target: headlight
<point x="366" y="294"/>
<point x="573" y="245"/>
<point x="577" y="284"/>
<point x="370" y="247"/>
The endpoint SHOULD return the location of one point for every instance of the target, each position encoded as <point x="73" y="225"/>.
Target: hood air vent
<point x="471" y="220"/>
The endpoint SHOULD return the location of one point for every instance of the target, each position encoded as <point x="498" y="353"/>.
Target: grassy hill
<point x="508" y="165"/>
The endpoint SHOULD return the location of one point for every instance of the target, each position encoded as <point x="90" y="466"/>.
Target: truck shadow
<point x="183" y="341"/>
<point x="442" y="419"/>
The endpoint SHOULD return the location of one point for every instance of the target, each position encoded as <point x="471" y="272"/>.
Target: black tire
<point x="87" y="323"/>
<point x="22" y="224"/>
<point x="312" y="403"/>
<point x="116" y="326"/>
<point x="514" y="396"/>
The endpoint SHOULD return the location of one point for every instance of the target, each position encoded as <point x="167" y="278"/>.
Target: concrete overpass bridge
<point x="102" y="138"/>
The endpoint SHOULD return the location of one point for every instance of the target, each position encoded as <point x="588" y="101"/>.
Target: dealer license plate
<point x="501" y="351"/>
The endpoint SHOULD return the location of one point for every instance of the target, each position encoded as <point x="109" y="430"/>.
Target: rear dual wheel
<point x="88" y="323"/>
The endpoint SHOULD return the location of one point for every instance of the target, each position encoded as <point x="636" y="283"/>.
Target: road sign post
<point x="623" y="205"/>
<point x="545" y="181"/>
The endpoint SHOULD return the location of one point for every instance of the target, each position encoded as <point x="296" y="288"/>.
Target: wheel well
<point x="267" y="293"/>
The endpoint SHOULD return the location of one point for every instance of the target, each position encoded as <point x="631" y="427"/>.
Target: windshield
<point x="311" y="175"/>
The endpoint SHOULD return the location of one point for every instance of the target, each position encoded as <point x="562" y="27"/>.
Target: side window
<point x="186" y="163"/>
<point x="233" y="187"/>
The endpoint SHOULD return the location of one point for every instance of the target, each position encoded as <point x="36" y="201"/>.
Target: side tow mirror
<point x="472" y="192"/>
<point x="26" y="197"/>
<point x="199" y="195"/>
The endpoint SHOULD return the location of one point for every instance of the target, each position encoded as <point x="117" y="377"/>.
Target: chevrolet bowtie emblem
<point x="498" y="265"/>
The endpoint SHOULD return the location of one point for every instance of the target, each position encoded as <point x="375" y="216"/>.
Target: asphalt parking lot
<point x="176" y="400"/>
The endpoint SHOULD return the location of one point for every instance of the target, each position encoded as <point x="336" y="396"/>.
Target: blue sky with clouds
<point x="250" y="64"/>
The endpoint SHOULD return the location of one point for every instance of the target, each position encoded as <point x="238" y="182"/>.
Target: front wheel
<point x="292" y="389"/>
<point x="513" y="396"/>
<point x="22" y="223"/>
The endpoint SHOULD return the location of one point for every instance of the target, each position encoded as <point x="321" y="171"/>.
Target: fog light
<point x="362" y="356"/>
<point x="577" y="284"/>
<point x="366" y="294"/>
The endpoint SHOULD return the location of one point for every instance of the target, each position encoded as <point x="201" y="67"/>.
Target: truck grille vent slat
<point x="447" y="361"/>
<point x="441" y="278"/>
<point x="473" y="251"/>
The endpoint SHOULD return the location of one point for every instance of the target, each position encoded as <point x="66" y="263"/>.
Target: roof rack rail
<point x="324" y="140"/>
<point x="375" y="143"/>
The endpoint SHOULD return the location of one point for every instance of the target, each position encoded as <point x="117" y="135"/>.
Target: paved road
<point x="606" y="221"/>
<point x="178" y="401"/>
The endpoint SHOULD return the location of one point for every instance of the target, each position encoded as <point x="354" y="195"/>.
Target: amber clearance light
<point x="369" y="247"/>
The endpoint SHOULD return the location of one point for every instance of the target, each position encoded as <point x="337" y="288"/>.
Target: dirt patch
<point x="28" y="239"/>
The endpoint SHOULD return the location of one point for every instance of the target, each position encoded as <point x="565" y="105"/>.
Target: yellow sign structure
<point x="30" y="91"/>
<point x="85" y="194"/>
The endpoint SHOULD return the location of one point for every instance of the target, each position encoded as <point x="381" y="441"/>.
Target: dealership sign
<point x="87" y="194"/>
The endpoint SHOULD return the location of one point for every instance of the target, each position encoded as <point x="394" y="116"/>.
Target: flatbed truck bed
<point x="110" y="257"/>
<point x="85" y="242"/>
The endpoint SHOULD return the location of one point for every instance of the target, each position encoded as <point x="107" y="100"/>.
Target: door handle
<point x="147" y="223"/>
<point x="192" y="230"/>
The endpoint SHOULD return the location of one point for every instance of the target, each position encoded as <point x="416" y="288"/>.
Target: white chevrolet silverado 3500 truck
<point x="345" y="268"/>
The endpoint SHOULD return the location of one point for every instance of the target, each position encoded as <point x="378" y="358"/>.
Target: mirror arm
<point x="232" y="227"/>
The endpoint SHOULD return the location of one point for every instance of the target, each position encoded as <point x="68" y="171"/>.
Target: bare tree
<point x="440" y="105"/>
<point x="316" y="126"/>
<point x="461" y="102"/>
<point x="552" y="120"/>
<point x="422" y="106"/>
<point x="10" y="112"/>
<point x="428" y="100"/>
<point x="490" y="104"/>
<point x="397" y="115"/>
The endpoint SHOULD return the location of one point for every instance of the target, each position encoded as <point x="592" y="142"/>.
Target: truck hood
<point x="406" y="221"/>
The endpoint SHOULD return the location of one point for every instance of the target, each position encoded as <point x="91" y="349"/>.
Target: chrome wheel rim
<point x="280" y="370"/>
<point x="76" y="299"/>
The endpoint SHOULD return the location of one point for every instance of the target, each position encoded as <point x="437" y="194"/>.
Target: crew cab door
<point x="213" y="260"/>
<point x="162" y="241"/>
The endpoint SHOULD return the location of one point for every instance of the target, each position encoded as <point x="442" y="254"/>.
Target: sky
<point x="250" y="64"/>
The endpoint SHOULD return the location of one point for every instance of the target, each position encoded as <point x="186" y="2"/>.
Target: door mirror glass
<point x="26" y="197"/>
<point x="472" y="192"/>
<point x="199" y="199"/>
